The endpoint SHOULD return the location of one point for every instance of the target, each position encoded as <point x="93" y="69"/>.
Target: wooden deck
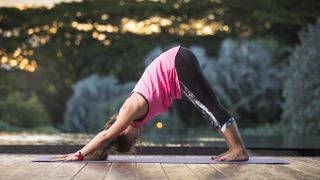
<point x="19" y="166"/>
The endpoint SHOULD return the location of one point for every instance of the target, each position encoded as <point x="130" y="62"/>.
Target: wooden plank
<point x="66" y="170"/>
<point x="205" y="171"/>
<point x="274" y="172"/>
<point x="291" y="172"/>
<point x="150" y="171"/>
<point x="19" y="166"/>
<point x="93" y="171"/>
<point x="178" y="171"/>
<point x="239" y="171"/>
<point x="122" y="171"/>
<point x="306" y="162"/>
<point x="307" y="170"/>
<point x="270" y="171"/>
<point x="8" y="168"/>
<point x="37" y="170"/>
<point x="10" y="164"/>
<point x="314" y="159"/>
<point x="5" y="157"/>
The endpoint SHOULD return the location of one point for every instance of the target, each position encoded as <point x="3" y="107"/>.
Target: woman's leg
<point x="196" y="87"/>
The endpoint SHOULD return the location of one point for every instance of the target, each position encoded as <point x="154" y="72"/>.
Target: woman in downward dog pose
<point x="174" y="71"/>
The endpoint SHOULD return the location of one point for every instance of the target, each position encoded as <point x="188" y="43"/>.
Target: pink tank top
<point x="159" y="84"/>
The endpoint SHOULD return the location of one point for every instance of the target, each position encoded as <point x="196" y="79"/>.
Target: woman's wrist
<point x="79" y="156"/>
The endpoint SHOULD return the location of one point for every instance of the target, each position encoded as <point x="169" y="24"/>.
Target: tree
<point x="301" y="92"/>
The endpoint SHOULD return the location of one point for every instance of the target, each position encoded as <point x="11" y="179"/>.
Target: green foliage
<point x="301" y="91"/>
<point x="301" y="107"/>
<point x="277" y="129"/>
<point x="44" y="129"/>
<point x="62" y="62"/>
<point x="22" y="111"/>
<point x="5" y="127"/>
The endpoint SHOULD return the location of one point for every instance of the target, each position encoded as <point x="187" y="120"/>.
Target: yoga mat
<point x="169" y="159"/>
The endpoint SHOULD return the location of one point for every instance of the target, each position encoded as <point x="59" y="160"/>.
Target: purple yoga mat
<point x="169" y="159"/>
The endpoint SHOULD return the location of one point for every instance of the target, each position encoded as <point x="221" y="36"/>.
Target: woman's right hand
<point x="66" y="157"/>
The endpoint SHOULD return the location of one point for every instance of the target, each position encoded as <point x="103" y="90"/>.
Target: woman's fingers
<point x="59" y="159"/>
<point x="62" y="157"/>
<point x="66" y="157"/>
<point x="59" y="156"/>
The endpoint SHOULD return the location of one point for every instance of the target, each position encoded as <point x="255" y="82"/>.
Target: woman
<point x="174" y="71"/>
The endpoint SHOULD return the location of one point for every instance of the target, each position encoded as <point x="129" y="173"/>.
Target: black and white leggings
<point x="196" y="87"/>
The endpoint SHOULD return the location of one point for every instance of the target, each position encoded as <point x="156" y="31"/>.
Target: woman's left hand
<point x="66" y="157"/>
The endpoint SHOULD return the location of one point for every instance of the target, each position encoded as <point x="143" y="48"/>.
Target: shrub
<point x="45" y="129"/>
<point x="23" y="111"/>
<point x="301" y="107"/>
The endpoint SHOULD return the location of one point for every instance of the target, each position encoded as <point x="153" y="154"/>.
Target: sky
<point x="17" y="3"/>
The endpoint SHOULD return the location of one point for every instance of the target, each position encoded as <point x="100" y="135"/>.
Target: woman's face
<point x="132" y="132"/>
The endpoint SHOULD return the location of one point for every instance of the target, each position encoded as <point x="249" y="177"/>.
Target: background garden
<point x="68" y="68"/>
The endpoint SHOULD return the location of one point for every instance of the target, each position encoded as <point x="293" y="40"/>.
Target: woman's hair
<point x="122" y="143"/>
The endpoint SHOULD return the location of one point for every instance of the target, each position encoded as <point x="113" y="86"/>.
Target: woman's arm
<point x="131" y="109"/>
<point x="105" y="136"/>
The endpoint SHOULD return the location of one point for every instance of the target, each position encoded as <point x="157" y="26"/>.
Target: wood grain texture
<point x="93" y="170"/>
<point x="150" y="171"/>
<point x="314" y="159"/>
<point x="122" y="171"/>
<point x="19" y="166"/>
<point x="317" y="158"/>
<point x="35" y="170"/>
<point x="65" y="171"/>
<point x="303" y="168"/>
<point x="205" y="171"/>
<point x="178" y="171"/>
<point x="10" y="164"/>
<point x="306" y="161"/>
<point x="291" y="172"/>
<point x="238" y="171"/>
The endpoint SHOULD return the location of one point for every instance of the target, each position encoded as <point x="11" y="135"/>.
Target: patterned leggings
<point x="196" y="87"/>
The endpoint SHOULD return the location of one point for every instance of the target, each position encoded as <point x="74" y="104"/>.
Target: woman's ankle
<point x="239" y="148"/>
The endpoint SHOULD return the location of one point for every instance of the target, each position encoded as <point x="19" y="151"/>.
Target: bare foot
<point x="220" y="155"/>
<point x="234" y="155"/>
